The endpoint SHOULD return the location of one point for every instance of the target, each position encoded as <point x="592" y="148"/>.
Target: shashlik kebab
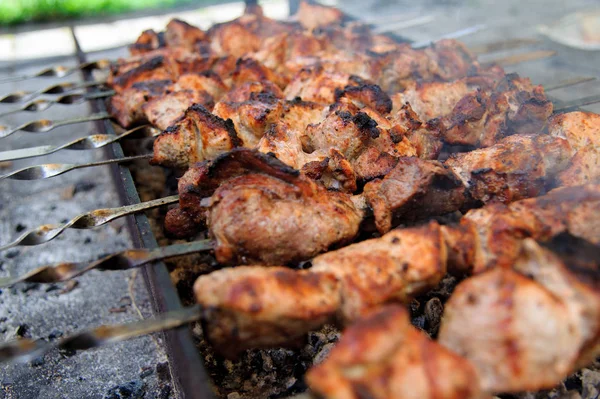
<point x="525" y="327"/>
<point x="256" y="306"/>
<point x="256" y="207"/>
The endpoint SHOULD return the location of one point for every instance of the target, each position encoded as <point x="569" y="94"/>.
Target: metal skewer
<point x="46" y="125"/>
<point x="525" y="57"/>
<point x="569" y="82"/>
<point x="84" y="143"/>
<point x="47" y="170"/>
<point x="28" y="349"/>
<point x="60" y="88"/>
<point x="122" y="260"/>
<point x="87" y="220"/>
<point x="575" y="104"/>
<point x="60" y="71"/>
<point x="43" y="104"/>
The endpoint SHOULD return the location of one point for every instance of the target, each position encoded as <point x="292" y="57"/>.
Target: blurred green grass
<point x="19" y="11"/>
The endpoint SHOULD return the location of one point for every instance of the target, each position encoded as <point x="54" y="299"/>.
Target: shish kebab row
<point x="526" y="320"/>
<point x="256" y="306"/>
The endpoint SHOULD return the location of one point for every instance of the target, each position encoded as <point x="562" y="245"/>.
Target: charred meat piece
<point x="517" y="167"/>
<point x="263" y="212"/>
<point x="163" y="111"/>
<point x="181" y="34"/>
<point x="126" y="107"/>
<point x="317" y="85"/>
<point x="382" y="356"/>
<point x="313" y="16"/>
<point x="254" y="306"/>
<point x="446" y="60"/>
<point x="482" y="118"/>
<point x="148" y="41"/>
<point x="202" y="179"/>
<point x="528" y="328"/>
<point x="415" y="188"/>
<point x="425" y="138"/>
<point x="207" y="81"/>
<point x="249" y="70"/>
<point x="582" y="131"/>
<point x="491" y="236"/>
<point x="251" y="118"/>
<point x="153" y="69"/>
<point x="197" y="135"/>
<point x="259" y="219"/>
<point x="243" y="304"/>
<point x="245" y="91"/>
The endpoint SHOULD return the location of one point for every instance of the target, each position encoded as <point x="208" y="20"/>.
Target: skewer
<point x="574" y="104"/>
<point x="569" y="82"/>
<point x="28" y="349"/>
<point x="123" y="260"/>
<point x="84" y="143"/>
<point x="47" y="170"/>
<point x="67" y="99"/>
<point x="46" y="125"/>
<point x="453" y="35"/>
<point x="60" y="71"/>
<point x="87" y="220"/>
<point x="398" y="25"/>
<point x="60" y="88"/>
<point x="526" y="57"/>
<point x="502" y="45"/>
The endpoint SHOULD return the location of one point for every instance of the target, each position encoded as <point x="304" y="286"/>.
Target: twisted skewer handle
<point x="27" y="349"/>
<point x="60" y="88"/>
<point x="43" y="104"/>
<point x="59" y="71"/>
<point x="47" y="170"/>
<point x="123" y="260"/>
<point x="98" y="217"/>
<point x="46" y="125"/>
<point x="84" y="143"/>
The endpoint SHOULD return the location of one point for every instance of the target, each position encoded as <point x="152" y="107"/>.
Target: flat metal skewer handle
<point x="45" y="125"/>
<point x="84" y="143"/>
<point x="28" y="349"/>
<point x="87" y="220"/>
<point x="37" y="172"/>
<point x="59" y="88"/>
<point x="43" y="104"/>
<point x="59" y="71"/>
<point x="122" y="260"/>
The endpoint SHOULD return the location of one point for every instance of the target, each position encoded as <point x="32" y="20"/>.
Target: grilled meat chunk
<point x="148" y="41"/>
<point x="347" y="283"/>
<point x="582" y="131"/>
<point x="517" y="167"/>
<point x="481" y="118"/>
<point x="527" y="328"/>
<point x="259" y="219"/>
<point x="254" y="306"/>
<point x="491" y="236"/>
<point x="382" y="356"/>
<point x="197" y="135"/>
<point x="163" y="111"/>
<point x="126" y="107"/>
<point x="181" y="34"/>
<point x="317" y="85"/>
<point x="251" y="118"/>
<point x="313" y="16"/>
<point x="415" y="188"/>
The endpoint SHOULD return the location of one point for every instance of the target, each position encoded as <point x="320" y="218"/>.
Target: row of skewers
<point x="297" y="136"/>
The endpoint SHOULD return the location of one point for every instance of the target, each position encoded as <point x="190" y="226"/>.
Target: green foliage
<point x="17" y="11"/>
